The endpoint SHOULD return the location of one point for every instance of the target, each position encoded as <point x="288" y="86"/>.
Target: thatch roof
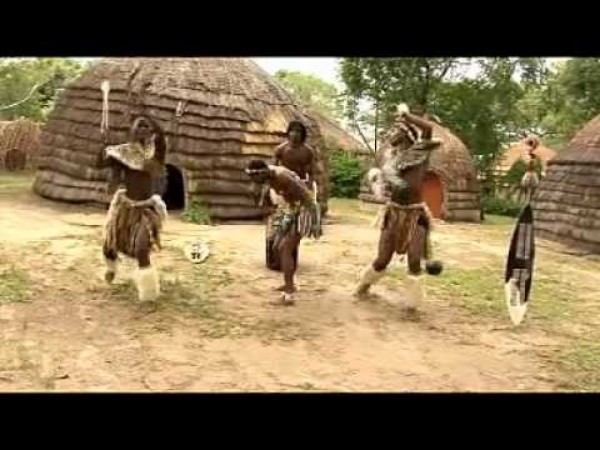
<point x="567" y="203"/>
<point x="584" y="148"/>
<point x="233" y="111"/>
<point x="453" y="164"/>
<point x="336" y="137"/>
<point x="21" y="136"/>
<point x="520" y="150"/>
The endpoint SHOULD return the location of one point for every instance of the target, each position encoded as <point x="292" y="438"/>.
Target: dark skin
<point x="414" y="176"/>
<point x="139" y="184"/>
<point x="292" y="190"/>
<point x="297" y="156"/>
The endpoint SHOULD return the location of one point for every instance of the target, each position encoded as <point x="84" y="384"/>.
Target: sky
<point x="324" y="68"/>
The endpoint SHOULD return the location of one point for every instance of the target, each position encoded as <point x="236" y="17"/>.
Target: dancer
<point x="406" y="220"/>
<point x="297" y="216"/>
<point x="136" y="214"/>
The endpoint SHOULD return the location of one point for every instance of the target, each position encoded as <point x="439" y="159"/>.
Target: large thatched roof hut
<point x="451" y="188"/>
<point x="230" y="112"/>
<point x="567" y="202"/>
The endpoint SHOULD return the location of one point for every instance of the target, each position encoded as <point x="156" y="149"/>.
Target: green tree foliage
<point x="570" y="99"/>
<point x="386" y="82"/>
<point x="311" y="92"/>
<point x="483" y="110"/>
<point x="19" y="76"/>
<point x="344" y="175"/>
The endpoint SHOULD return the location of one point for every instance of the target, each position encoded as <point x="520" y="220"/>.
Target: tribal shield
<point x="519" y="266"/>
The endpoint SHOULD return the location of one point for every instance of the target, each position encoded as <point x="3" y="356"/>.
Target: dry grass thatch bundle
<point x="19" y="144"/>
<point x="231" y="111"/>
<point x="451" y="188"/>
<point x="567" y="203"/>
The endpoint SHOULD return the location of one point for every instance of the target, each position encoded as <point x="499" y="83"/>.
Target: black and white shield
<point x="519" y="266"/>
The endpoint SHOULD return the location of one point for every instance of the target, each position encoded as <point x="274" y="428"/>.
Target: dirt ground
<point x="63" y="329"/>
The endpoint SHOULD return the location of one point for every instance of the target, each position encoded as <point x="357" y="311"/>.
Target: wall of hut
<point x="567" y="202"/>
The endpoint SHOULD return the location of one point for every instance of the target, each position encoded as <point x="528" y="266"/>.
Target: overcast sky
<point x="324" y="68"/>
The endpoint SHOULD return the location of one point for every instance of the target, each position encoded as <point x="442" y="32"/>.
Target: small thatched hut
<point x="520" y="151"/>
<point x="336" y="138"/>
<point x="567" y="202"/>
<point x="230" y="111"/>
<point x="451" y="189"/>
<point x="19" y="144"/>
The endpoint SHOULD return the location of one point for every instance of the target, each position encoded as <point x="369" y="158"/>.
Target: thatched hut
<point x="336" y="138"/>
<point x="451" y="189"/>
<point x="19" y="144"/>
<point x="567" y="202"/>
<point x="520" y="151"/>
<point x="218" y="113"/>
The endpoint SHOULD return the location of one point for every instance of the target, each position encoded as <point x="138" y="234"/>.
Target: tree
<point x="483" y="109"/>
<point x="383" y="83"/>
<point x="571" y="98"/>
<point x="311" y="92"/>
<point x="19" y="77"/>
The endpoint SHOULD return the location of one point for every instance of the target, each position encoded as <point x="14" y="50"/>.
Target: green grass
<point x="14" y="285"/>
<point x="197" y="213"/>
<point x="493" y="220"/>
<point x="481" y="292"/>
<point x="580" y="366"/>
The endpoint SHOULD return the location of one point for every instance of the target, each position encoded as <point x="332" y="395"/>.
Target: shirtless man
<point x="297" y="216"/>
<point x="136" y="214"/>
<point x="406" y="220"/>
<point x="295" y="155"/>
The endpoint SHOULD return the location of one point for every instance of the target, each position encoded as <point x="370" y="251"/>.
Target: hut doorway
<point x="15" y="159"/>
<point x="174" y="195"/>
<point x="433" y="194"/>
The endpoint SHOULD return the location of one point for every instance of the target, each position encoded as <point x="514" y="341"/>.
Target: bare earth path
<point x="215" y="329"/>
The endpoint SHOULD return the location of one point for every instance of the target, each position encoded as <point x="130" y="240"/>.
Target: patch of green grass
<point x="491" y="219"/>
<point x="481" y="292"/>
<point x="197" y="213"/>
<point x="14" y="285"/>
<point x="11" y="182"/>
<point x="580" y="366"/>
